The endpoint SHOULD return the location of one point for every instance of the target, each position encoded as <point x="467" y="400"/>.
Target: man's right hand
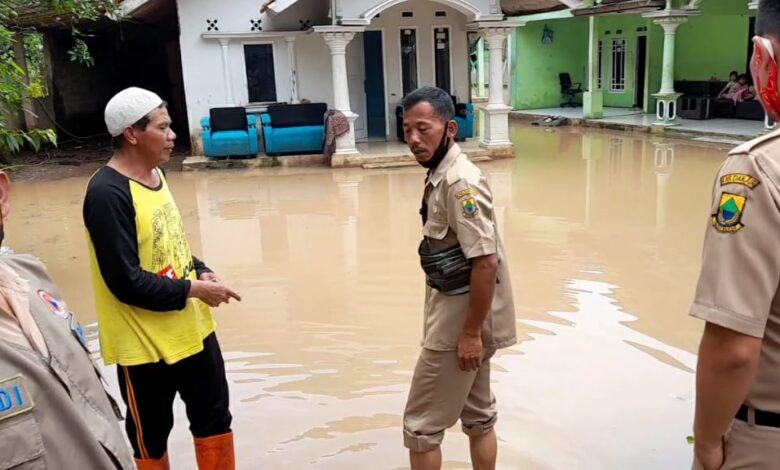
<point x="212" y="293"/>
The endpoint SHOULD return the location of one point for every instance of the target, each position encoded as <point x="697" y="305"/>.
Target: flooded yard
<point x="603" y="235"/>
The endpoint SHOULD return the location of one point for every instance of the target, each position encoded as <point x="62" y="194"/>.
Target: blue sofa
<point x="229" y="132"/>
<point x="464" y="116"/>
<point x="294" y="128"/>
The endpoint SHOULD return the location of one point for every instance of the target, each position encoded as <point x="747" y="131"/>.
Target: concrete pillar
<point x="292" y="58"/>
<point x="496" y="38"/>
<point x="666" y="110"/>
<point x="226" y="75"/>
<point x="481" y="68"/>
<point x="337" y="40"/>
<point x="496" y="135"/>
<point x="593" y="99"/>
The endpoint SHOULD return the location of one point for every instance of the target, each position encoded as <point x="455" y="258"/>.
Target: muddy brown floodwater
<point x="603" y="233"/>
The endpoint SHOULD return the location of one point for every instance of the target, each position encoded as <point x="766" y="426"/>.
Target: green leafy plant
<point x="15" y="84"/>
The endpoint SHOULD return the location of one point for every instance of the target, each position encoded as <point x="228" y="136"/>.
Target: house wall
<point x="709" y="45"/>
<point x="534" y="76"/>
<point x="475" y="9"/>
<point x="391" y="22"/>
<point x="626" y="27"/>
<point x="714" y="43"/>
<point x="202" y="58"/>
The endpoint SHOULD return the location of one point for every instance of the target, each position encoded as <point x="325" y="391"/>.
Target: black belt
<point x="763" y="418"/>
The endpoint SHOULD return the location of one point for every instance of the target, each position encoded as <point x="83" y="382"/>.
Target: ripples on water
<point x="603" y="234"/>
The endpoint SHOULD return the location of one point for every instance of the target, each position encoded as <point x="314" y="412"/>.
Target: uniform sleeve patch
<point x="470" y="208"/>
<point x="466" y="192"/>
<point x="729" y="216"/>
<point x="14" y="397"/>
<point x="740" y="178"/>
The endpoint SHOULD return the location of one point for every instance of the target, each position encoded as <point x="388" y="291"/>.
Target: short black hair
<point x="768" y="18"/>
<point x="436" y="97"/>
<point x="734" y="72"/>
<point x="141" y="124"/>
<point x="742" y="77"/>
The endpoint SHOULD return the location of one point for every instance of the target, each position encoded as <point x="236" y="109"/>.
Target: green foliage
<point x="14" y="85"/>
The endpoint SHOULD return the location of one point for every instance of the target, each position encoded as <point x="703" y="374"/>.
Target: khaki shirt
<point x="17" y="324"/>
<point x="54" y="411"/>
<point x="740" y="272"/>
<point x="460" y="212"/>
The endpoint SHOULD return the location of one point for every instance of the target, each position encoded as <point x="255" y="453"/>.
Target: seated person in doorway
<point x="733" y="80"/>
<point x="743" y="91"/>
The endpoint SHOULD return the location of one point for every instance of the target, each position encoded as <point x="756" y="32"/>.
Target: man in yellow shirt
<point x="152" y="295"/>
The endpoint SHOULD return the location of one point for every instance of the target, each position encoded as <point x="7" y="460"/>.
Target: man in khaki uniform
<point x="737" y="422"/>
<point x="469" y="311"/>
<point x="54" y="411"/>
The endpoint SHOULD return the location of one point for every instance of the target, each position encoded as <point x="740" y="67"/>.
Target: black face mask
<point x="440" y="153"/>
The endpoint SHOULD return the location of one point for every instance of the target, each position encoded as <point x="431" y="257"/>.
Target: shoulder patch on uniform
<point x="466" y="192"/>
<point x="470" y="208"/>
<point x="740" y="178"/>
<point x="15" y="399"/>
<point x="729" y="216"/>
<point x="57" y="306"/>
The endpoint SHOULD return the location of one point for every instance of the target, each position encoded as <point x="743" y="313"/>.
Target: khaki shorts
<point x="750" y="447"/>
<point x="440" y="394"/>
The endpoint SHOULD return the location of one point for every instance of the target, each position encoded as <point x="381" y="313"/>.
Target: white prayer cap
<point x="127" y="107"/>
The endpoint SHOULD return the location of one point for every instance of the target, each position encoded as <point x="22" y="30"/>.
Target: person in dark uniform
<point x="54" y="411"/>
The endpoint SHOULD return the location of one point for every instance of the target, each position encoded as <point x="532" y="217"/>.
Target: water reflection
<point x="603" y="232"/>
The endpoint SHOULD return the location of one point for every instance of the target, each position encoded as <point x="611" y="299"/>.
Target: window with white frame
<point x="260" y="73"/>
<point x="617" y="81"/>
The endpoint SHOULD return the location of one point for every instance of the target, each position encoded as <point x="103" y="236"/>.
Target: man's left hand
<point x="709" y="456"/>
<point x="470" y="351"/>
<point x="209" y="277"/>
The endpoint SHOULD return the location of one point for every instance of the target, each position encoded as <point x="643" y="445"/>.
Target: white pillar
<point x="337" y="42"/>
<point x="495" y="40"/>
<point x="496" y="135"/>
<point x="666" y="108"/>
<point x="226" y="77"/>
<point x="292" y="58"/>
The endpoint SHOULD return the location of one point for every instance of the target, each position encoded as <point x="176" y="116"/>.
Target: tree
<point x="15" y="84"/>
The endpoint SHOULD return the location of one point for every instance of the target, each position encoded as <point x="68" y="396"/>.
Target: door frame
<point x="384" y="76"/>
<point x="636" y="70"/>
<point x="401" y="54"/>
<point x="433" y="55"/>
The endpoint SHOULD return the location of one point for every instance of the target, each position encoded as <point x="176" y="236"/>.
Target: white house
<point x="358" y="56"/>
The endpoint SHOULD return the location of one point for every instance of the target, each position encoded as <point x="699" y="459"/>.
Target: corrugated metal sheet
<point x="528" y="7"/>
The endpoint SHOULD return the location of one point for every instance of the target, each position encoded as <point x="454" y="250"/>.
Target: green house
<point x="632" y="54"/>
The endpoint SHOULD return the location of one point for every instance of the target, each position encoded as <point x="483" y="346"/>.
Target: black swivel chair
<point x="568" y="90"/>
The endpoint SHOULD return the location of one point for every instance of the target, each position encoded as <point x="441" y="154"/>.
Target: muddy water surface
<point x="603" y="234"/>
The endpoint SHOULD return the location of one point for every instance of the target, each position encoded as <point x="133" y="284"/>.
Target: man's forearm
<point x="723" y="380"/>
<point x="483" y="287"/>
